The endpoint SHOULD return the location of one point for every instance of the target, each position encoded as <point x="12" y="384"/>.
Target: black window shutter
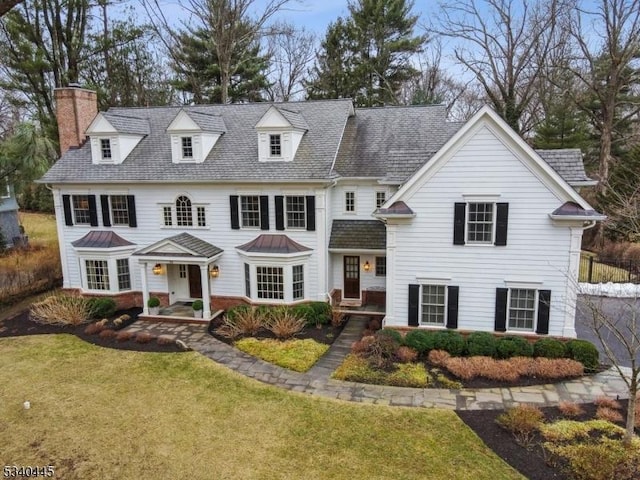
<point x="311" y="213"/>
<point x="502" y="222"/>
<point x="452" y="307"/>
<point x="414" y="299"/>
<point x="93" y="211"/>
<point x="279" y="200"/>
<point x="66" y="205"/>
<point x="501" y="309"/>
<point x="458" y="223"/>
<point x="104" y="203"/>
<point x="264" y="212"/>
<point x="544" y="301"/>
<point x="235" y="217"/>
<point x="131" y="205"/>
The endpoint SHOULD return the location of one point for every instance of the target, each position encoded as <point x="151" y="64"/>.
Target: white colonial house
<point x="443" y="225"/>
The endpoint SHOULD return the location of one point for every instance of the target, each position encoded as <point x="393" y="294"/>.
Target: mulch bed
<point x="530" y="462"/>
<point x="21" y="325"/>
<point x="326" y="334"/>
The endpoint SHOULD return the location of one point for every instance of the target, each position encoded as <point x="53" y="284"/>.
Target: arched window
<point x="184" y="216"/>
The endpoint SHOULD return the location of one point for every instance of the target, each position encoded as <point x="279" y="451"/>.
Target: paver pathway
<point x="317" y="381"/>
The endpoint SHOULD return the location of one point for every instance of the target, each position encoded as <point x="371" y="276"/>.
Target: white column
<point x="57" y="207"/>
<point x="206" y="291"/>
<point x="389" y="318"/>
<point x="321" y="245"/>
<point x="569" y="329"/>
<point x="145" y="289"/>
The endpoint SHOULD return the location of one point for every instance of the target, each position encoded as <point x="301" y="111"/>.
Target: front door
<point x="195" y="282"/>
<point x="351" y="277"/>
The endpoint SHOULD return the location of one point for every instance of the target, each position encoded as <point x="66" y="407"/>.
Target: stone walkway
<point x="317" y="381"/>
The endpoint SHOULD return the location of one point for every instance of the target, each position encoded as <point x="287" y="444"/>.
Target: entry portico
<point x="186" y="263"/>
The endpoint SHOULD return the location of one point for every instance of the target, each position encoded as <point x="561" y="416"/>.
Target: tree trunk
<point x="631" y="409"/>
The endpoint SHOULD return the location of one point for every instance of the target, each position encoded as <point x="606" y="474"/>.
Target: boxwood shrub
<point x="102" y="307"/>
<point x="549" y="348"/>
<point x="511" y="346"/>
<point x="481" y="343"/>
<point x="394" y="334"/>
<point x="423" y="341"/>
<point x="322" y="311"/>
<point x="450" y="341"/>
<point x="306" y="312"/>
<point x="584" y="352"/>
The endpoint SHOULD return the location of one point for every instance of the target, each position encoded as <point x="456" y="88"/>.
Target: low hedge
<point x="549" y="348"/>
<point x="450" y="341"/>
<point x="512" y="346"/>
<point x="481" y="343"/>
<point x="423" y="341"/>
<point x="584" y="352"/>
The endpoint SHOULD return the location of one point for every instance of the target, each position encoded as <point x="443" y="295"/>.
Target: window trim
<point x="241" y="211"/>
<point x="253" y="261"/>
<point x="7" y="191"/>
<point x="111" y="210"/>
<point x="443" y="325"/>
<point x="173" y="214"/>
<point x="377" y="202"/>
<point x="278" y="144"/>
<point x="111" y="256"/>
<point x="304" y="212"/>
<point x="73" y="209"/>
<point x="109" y="148"/>
<point x="534" y="323"/>
<point x="344" y="204"/>
<point x="377" y="258"/>
<point x="467" y="229"/>
<point x="183" y="148"/>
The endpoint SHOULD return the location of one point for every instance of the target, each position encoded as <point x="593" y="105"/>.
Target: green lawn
<point x="40" y="227"/>
<point x="100" y="414"/>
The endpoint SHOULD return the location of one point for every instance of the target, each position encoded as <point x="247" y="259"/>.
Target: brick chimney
<point x="75" y="110"/>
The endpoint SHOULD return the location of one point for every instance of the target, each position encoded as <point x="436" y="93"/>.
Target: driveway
<point x="623" y="310"/>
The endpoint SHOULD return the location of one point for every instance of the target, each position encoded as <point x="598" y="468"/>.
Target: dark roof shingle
<point x="101" y="239"/>
<point x="279" y="244"/>
<point x="358" y="235"/>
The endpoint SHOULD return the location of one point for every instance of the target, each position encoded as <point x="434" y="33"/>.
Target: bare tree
<point x="229" y="22"/>
<point x="618" y="331"/>
<point x="606" y="71"/>
<point x="291" y="51"/>
<point x="502" y="43"/>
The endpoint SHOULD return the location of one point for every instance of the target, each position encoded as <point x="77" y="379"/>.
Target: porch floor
<point x="366" y="309"/>
<point x="181" y="312"/>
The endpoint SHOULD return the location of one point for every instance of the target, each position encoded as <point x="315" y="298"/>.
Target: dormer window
<point x="187" y="148"/>
<point x="105" y="148"/>
<point x="275" y="145"/>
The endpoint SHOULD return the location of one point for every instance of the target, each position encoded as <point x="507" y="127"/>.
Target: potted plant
<point x="154" y="305"/>
<point x="197" y="309"/>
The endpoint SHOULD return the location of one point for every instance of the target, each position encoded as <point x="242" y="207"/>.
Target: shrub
<point x="337" y="317"/>
<point x="511" y="346"/>
<point x="101" y="307"/>
<point x="322" y="311"/>
<point x="362" y="346"/>
<point x="244" y="320"/>
<point x="609" y="414"/>
<point x="153" y="302"/>
<point x="124" y="335"/>
<point x="197" y="305"/>
<point x="481" y="343"/>
<point x="608" y="402"/>
<point x="448" y="383"/>
<point x="394" y="334"/>
<point x="60" y="309"/>
<point x="450" y="341"/>
<point x="549" y="348"/>
<point x="284" y="324"/>
<point x="357" y="369"/>
<point x="121" y="321"/>
<point x="94" y="328"/>
<point x="422" y="341"/>
<point x="571" y="430"/>
<point x="108" y="333"/>
<point x="379" y="350"/>
<point x="570" y="409"/>
<point x="556" y="368"/>
<point x="439" y="357"/>
<point x="501" y="371"/>
<point x="522" y="421"/>
<point x="374" y="324"/>
<point x="584" y="352"/>
<point x="461" y="367"/>
<point x="406" y="354"/>
<point x="144" y="337"/>
<point x="306" y="312"/>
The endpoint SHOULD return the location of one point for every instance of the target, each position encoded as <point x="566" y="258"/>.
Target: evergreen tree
<point x="563" y="126"/>
<point x="367" y="56"/>
<point x="199" y="70"/>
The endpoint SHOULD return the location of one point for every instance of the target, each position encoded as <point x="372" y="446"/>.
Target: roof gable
<point x="100" y="125"/>
<point x="182" y="244"/>
<point x="273" y="118"/>
<point x="488" y="118"/>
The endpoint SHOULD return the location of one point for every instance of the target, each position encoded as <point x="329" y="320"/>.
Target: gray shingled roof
<point x="397" y="208"/>
<point x="294" y="118"/>
<point x="127" y="124"/>
<point x="207" y="122"/>
<point x="572" y="209"/>
<point x="392" y="142"/>
<point x="187" y="241"/>
<point x="567" y="162"/>
<point x="358" y="234"/>
<point x="268" y="243"/>
<point x="101" y="239"/>
<point x="234" y="157"/>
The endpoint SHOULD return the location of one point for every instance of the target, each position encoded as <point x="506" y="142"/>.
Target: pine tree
<point x="199" y="71"/>
<point x="367" y="56"/>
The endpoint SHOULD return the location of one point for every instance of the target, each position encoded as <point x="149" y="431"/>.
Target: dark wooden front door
<point x="351" y="277"/>
<point x="195" y="282"/>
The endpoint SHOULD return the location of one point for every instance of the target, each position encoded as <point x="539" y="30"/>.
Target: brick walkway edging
<point x="317" y="381"/>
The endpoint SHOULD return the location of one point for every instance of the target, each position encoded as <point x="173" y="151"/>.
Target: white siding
<point x="368" y="279"/>
<point x="365" y="199"/>
<point x="536" y="250"/>
<point x="218" y="232"/>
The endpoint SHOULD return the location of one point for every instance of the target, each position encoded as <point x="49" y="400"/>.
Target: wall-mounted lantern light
<point x="367" y="266"/>
<point x="157" y="269"/>
<point x="214" y="271"/>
